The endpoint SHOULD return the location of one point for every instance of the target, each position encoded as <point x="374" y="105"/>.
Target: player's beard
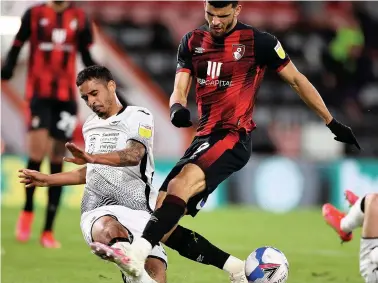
<point x="58" y="2"/>
<point x="223" y="32"/>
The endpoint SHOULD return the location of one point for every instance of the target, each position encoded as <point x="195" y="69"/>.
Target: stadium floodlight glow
<point x="9" y="25"/>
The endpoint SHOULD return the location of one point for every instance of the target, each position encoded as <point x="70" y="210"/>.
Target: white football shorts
<point x="133" y="220"/>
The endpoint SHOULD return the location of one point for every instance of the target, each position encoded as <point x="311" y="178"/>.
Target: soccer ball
<point x="267" y="265"/>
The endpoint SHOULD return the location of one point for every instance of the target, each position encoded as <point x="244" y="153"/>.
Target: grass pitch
<point x="313" y="250"/>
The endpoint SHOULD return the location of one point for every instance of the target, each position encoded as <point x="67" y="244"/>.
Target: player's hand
<point x="80" y="157"/>
<point x="6" y="73"/>
<point x="180" y="116"/>
<point x="343" y="133"/>
<point x="32" y="178"/>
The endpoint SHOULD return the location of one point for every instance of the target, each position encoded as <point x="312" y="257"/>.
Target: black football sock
<point x="32" y="165"/>
<point x="363" y="204"/>
<point x="164" y="219"/>
<point x="193" y="246"/>
<point x="54" y="198"/>
<point x="117" y="240"/>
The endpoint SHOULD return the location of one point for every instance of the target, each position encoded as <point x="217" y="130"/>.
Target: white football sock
<point x="233" y="265"/>
<point x="144" y="278"/>
<point x="354" y="218"/>
<point x="143" y="247"/>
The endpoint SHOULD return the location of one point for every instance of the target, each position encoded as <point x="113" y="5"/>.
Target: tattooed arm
<point x="130" y="156"/>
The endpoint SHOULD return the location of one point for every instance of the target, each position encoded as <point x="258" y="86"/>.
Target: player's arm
<point x="22" y="35"/>
<point x="85" y="41"/>
<point x="180" y="115"/>
<point x="33" y="178"/>
<point x="270" y="53"/>
<point x="130" y="156"/>
<point x="140" y="125"/>
<point x="306" y="91"/>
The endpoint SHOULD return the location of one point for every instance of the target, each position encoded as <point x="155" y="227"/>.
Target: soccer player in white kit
<point x="118" y="197"/>
<point x="363" y="213"/>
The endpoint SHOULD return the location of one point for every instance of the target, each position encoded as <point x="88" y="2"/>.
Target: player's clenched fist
<point x="180" y="116"/>
<point x="32" y="178"/>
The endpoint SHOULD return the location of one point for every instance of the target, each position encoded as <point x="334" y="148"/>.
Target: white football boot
<point x="122" y="255"/>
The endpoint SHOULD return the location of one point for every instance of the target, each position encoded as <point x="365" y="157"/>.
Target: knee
<point x="58" y="151"/>
<point x="156" y="271"/>
<point x="37" y="154"/>
<point x="102" y="230"/>
<point x="176" y="184"/>
<point x="371" y="201"/>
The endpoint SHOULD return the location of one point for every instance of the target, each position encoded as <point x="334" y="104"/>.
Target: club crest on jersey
<point x="145" y="131"/>
<point x="238" y="51"/>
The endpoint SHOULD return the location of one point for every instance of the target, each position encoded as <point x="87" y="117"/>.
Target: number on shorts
<point x="67" y="123"/>
<point x="202" y="147"/>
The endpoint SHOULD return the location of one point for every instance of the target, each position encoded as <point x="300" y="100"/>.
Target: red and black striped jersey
<point x="55" y="38"/>
<point x="228" y="73"/>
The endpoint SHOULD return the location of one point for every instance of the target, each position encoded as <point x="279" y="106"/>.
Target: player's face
<point x="221" y="20"/>
<point x="99" y="96"/>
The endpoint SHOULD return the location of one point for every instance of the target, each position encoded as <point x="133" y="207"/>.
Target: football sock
<point x="53" y="198"/>
<point x="32" y="165"/>
<point x="233" y="265"/>
<point x="193" y="246"/>
<point x="355" y="216"/>
<point x="144" y="278"/>
<point x="164" y="219"/>
<point x="117" y="240"/>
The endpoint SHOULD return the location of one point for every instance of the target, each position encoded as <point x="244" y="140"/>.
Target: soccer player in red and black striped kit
<point x="227" y="59"/>
<point x="56" y="30"/>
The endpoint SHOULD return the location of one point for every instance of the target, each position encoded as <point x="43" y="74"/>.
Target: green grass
<point x="313" y="250"/>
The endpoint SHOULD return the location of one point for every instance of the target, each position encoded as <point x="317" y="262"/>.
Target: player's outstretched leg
<point x="109" y="241"/>
<point x="369" y="240"/>
<point x="190" y="181"/>
<point x="199" y="249"/>
<point x="343" y="223"/>
<point x="355" y="215"/>
<point x="333" y="218"/>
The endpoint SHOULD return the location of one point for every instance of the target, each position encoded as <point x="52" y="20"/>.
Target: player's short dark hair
<point x="222" y="4"/>
<point x="94" y="72"/>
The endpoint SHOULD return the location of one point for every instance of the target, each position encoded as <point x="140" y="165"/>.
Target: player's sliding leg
<point x="355" y="216"/>
<point x="369" y="240"/>
<point x="343" y="223"/>
<point x="37" y="148"/>
<point x="190" y="181"/>
<point x="109" y="239"/>
<point x="199" y="249"/>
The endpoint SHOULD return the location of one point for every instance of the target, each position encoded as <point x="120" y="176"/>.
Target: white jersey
<point x="128" y="186"/>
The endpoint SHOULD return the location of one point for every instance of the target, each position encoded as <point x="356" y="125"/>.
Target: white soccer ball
<point x="267" y="265"/>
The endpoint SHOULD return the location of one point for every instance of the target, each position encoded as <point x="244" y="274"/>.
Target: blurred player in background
<point x="227" y="59"/>
<point x="118" y="199"/>
<point x="56" y="30"/>
<point x="363" y="213"/>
